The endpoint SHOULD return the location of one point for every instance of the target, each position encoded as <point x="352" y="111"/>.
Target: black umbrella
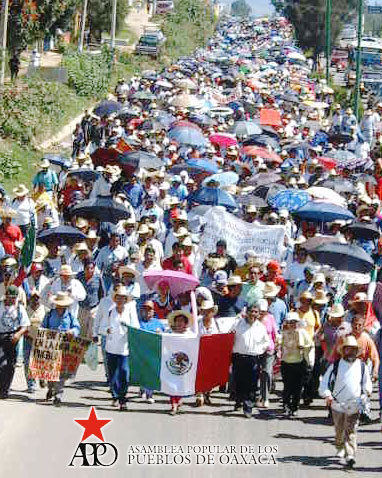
<point x="63" y="234"/>
<point x="340" y="138"/>
<point x="141" y="159"/>
<point x="269" y="131"/>
<point x="339" y="185"/>
<point x="126" y="114"/>
<point x="262" y="140"/>
<point x="86" y="175"/>
<point x="268" y="190"/>
<point x="344" y="257"/>
<point x="263" y="178"/>
<point x="107" y="108"/>
<point x="103" y="208"/>
<point x="364" y="230"/>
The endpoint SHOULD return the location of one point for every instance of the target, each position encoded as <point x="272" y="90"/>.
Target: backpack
<point x="334" y="372"/>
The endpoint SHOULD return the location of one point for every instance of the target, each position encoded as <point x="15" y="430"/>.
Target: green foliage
<point x="89" y="74"/>
<point x="10" y="166"/>
<point x="308" y="19"/>
<point x="34" y="109"/>
<point x="99" y="16"/>
<point x="240" y="8"/>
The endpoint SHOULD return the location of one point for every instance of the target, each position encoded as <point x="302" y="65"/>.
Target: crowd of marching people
<point x="239" y="126"/>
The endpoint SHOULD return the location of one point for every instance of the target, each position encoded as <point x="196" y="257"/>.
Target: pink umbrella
<point x="223" y="140"/>
<point x="178" y="281"/>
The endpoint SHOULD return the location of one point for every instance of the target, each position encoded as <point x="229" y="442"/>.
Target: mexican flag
<point x="176" y="365"/>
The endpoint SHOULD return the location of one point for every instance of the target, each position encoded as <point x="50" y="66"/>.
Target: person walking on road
<point x="345" y="386"/>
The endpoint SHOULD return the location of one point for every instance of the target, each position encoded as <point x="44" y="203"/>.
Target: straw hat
<point x="40" y="254"/>
<point x="143" y="229"/>
<point x="208" y="305"/>
<point x="81" y="247"/>
<point x="66" y="270"/>
<point x="349" y="341"/>
<point x="234" y="280"/>
<point x="44" y="164"/>
<point x="92" y="234"/>
<point x="306" y="295"/>
<point x="121" y="291"/>
<point x="128" y="270"/>
<point x="359" y="297"/>
<point x="173" y="315"/>
<point x="319" y="278"/>
<point x="320" y="298"/>
<point x="187" y="241"/>
<point x="336" y="310"/>
<point x="20" y="191"/>
<point x="62" y="299"/>
<point x="292" y="317"/>
<point x="8" y="262"/>
<point x="271" y="290"/>
<point x="81" y="223"/>
<point x="182" y="231"/>
<point x="42" y="202"/>
<point x="7" y="212"/>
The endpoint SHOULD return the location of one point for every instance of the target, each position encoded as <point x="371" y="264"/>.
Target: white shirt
<point x="101" y="187"/>
<point x="250" y="339"/>
<point x="25" y="209"/>
<point x="116" y="339"/>
<point x="202" y="330"/>
<point x="42" y="283"/>
<point x="107" y="257"/>
<point x="12" y="317"/>
<point x="141" y="269"/>
<point x="347" y="387"/>
<point x="74" y="288"/>
<point x="104" y="306"/>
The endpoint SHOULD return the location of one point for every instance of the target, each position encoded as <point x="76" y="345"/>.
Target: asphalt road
<point x="38" y="439"/>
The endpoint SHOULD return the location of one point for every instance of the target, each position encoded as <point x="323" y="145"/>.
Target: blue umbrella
<point x="195" y="166"/>
<point x="227" y="178"/>
<point x="107" y="108"/>
<point x="58" y="160"/>
<point x="291" y="199"/>
<point x="190" y="136"/>
<point x="212" y="197"/>
<point x="344" y="257"/>
<point x="243" y="129"/>
<point x="323" y="212"/>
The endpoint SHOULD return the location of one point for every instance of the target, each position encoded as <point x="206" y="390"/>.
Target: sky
<point x="259" y="7"/>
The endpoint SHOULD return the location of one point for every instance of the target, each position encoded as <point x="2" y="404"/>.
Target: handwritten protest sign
<point x="73" y="351"/>
<point x="265" y="241"/>
<point x="46" y="356"/>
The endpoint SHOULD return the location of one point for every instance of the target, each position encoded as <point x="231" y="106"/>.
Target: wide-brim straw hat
<point x="20" y="191"/>
<point x="121" y="291"/>
<point x="336" y="311"/>
<point x="128" y="270"/>
<point x="62" y="299"/>
<point x="348" y="341"/>
<point x="8" y="212"/>
<point x="271" y="290"/>
<point x="44" y="164"/>
<point x="320" y="298"/>
<point x="66" y="270"/>
<point x="173" y="315"/>
<point x="208" y="305"/>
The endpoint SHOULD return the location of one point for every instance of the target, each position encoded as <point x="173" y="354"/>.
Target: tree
<point x="100" y="12"/>
<point x="308" y="19"/>
<point x="240" y="8"/>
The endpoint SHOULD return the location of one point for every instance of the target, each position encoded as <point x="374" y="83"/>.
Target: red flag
<point x="270" y="117"/>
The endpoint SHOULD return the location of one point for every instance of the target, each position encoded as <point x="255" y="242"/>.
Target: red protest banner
<point x="270" y="117"/>
<point x="46" y="356"/>
<point x="73" y="351"/>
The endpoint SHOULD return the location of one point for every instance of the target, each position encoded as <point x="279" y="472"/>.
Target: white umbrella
<point x="294" y="55"/>
<point x="327" y="195"/>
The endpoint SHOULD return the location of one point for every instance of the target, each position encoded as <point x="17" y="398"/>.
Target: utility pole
<point x="83" y="24"/>
<point x="4" y="31"/>
<point x="328" y="34"/>
<point x="113" y="25"/>
<point x="358" y="67"/>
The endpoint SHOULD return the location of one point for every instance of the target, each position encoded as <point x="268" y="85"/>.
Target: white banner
<point x="265" y="241"/>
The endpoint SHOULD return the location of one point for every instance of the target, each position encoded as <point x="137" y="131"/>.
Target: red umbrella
<point x="261" y="152"/>
<point x="327" y="163"/>
<point x="178" y="281"/>
<point x="135" y="122"/>
<point x="223" y="140"/>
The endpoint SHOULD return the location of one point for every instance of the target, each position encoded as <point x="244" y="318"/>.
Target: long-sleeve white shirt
<point x="250" y="339"/>
<point x="114" y="326"/>
<point x="74" y="288"/>
<point x="347" y="386"/>
<point x="106" y="303"/>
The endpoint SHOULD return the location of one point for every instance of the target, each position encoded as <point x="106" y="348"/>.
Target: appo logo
<point x="94" y="454"/>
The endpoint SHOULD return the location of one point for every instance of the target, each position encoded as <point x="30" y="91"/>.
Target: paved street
<point x="40" y="440"/>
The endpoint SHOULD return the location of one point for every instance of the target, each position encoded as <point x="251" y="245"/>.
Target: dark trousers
<point x="293" y="377"/>
<point x="246" y="371"/>
<point x="118" y="367"/>
<point x="8" y="356"/>
<point x="24" y="229"/>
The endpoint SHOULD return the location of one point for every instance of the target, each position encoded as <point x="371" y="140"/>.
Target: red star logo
<point x="92" y="426"/>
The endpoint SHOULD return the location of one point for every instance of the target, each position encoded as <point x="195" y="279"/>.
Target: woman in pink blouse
<point x="269" y="357"/>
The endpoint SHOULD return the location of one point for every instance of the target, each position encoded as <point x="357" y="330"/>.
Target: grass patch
<point x="27" y="157"/>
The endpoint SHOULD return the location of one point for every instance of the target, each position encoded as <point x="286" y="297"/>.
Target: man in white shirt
<point x="251" y="342"/>
<point x="345" y="386"/>
<point x="65" y="283"/>
<point x="109" y="256"/>
<point x="115" y="326"/>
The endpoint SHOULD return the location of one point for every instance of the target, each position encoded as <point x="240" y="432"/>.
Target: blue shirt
<point x="180" y="192"/>
<point x="48" y="178"/>
<point x="61" y="323"/>
<point x="134" y="193"/>
<point x="279" y="311"/>
<point x="152" y="325"/>
<point x="94" y="290"/>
